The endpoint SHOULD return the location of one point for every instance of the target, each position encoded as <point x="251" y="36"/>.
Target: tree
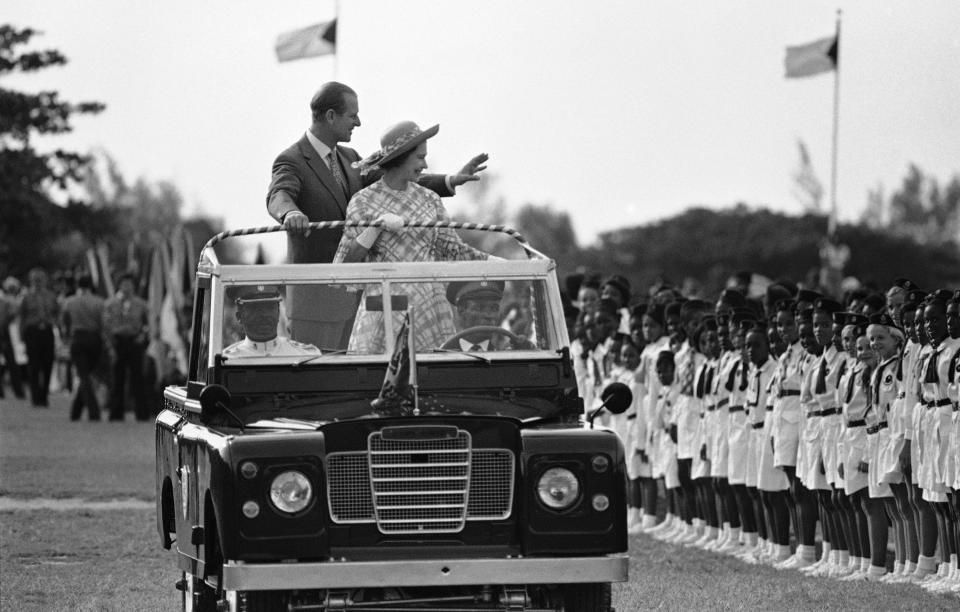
<point x="31" y="224"/>
<point x="550" y="232"/>
<point x="143" y="215"/>
<point x="924" y="211"/>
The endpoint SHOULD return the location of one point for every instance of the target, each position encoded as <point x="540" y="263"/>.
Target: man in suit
<point x="313" y="180"/>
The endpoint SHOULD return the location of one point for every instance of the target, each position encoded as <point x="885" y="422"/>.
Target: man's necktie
<point x="337" y="172"/>
<point x="687" y="376"/>
<point x="932" y="376"/>
<point x="476" y="347"/>
<point x="758" y="374"/>
<point x="821" y="384"/>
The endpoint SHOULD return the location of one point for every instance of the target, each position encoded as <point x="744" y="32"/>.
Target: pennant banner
<point x="312" y="41"/>
<point x="812" y="58"/>
<point x="396" y="389"/>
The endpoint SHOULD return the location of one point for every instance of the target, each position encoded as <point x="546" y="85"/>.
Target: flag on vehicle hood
<point x="312" y="41"/>
<point x="812" y="58"/>
<point x="400" y="381"/>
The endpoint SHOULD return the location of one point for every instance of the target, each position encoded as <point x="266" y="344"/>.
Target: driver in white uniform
<point x="477" y="305"/>
<point x="258" y="312"/>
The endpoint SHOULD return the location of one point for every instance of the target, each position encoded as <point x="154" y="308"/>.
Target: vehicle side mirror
<point x="616" y="397"/>
<point x="214" y="404"/>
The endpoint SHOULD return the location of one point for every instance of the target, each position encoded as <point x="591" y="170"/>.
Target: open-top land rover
<point x="387" y="474"/>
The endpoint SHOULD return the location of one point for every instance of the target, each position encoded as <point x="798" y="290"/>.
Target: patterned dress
<point x="433" y="314"/>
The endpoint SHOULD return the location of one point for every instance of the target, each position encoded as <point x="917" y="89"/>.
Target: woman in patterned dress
<point x="394" y="200"/>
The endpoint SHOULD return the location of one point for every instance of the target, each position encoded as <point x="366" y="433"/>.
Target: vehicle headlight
<point x="558" y="488"/>
<point x="291" y="492"/>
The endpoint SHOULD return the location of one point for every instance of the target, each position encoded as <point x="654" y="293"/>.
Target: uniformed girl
<point x="761" y="377"/>
<point x="820" y="437"/>
<point x="626" y="373"/>
<point x="709" y="344"/>
<point x="854" y="388"/>
<point x="646" y="435"/>
<point x="720" y="437"/>
<point x="886" y="342"/>
<point x="738" y="436"/>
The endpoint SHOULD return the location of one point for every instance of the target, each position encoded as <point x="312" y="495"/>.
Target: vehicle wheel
<point x="587" y="597"/>
<point x="262" y="601"/>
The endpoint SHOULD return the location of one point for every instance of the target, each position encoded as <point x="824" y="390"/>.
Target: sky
<point x="616" y="112"/>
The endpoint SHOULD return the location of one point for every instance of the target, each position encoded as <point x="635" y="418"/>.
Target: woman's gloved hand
<point x="390" y="222"/>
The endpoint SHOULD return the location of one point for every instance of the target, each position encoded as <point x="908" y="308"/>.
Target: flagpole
<point x="832" y="223"/>
<point x="336" y="47"/>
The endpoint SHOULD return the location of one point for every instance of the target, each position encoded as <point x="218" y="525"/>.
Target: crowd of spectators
<point x="57" y="333"/>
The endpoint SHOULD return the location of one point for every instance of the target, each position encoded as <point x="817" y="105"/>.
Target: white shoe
<point x="944" y="585"/>
<point x="702" y="541"/>
<point x="680" y="534"/>
<point x="823" y="571"/>
<point x="854" y="576"/>
<point x="660" y="527"/>
<point x="692" y="537"/>
<point x="841" y="571"/>
<point x="795" y="563"/>
<point x="755" y="556"/>
<point x="732" y="547"/>
<point x="790" y="562"/>
<point x="717" y="542"/>
<point x="667" y="534"/>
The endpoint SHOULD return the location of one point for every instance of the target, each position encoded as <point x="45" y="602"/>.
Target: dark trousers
<point x="10" y="364"/>
<point x="39" y="341"/>
<point x="85" y="351"/>
<point x="127" y="367"/>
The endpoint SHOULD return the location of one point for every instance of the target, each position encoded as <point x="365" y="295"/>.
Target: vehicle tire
<point x="587" y="597"/>
<point x="262" y="601"/>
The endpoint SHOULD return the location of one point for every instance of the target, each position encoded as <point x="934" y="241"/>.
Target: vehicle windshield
<point x="488" y="317"/>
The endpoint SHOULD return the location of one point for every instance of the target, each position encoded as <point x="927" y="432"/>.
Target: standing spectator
<point x="83" y="330"/>
<point x="39" y="312"/>
<point x="9" y="305"/>
<point x="64" y="287"/>
<point x="125" y="326"/>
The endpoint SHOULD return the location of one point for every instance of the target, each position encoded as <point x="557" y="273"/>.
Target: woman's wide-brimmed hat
<point x="401" y="138"/>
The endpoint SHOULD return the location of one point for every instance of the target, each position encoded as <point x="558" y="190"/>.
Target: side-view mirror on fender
<point x="214" y="404"/>
<point x="616" y="397"/>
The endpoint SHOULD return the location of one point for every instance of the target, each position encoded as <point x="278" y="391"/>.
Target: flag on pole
<point x="312" y="41"/>
<point x="812" y="58"/>
<point x="399" y="383"/>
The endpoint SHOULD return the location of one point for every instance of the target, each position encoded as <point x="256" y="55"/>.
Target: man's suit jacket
<point x="302" y="181"/>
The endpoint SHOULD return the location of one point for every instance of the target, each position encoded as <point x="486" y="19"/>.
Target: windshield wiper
<point x="320" y="356"/>
<point x="474" y="355"/>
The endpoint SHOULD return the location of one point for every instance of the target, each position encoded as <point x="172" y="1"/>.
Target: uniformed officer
<point x="258" y="312"/>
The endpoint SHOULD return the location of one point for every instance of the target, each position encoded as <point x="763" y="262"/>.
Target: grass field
<point x="93" y="560"/>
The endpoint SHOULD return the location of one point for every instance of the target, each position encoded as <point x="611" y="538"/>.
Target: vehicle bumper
<point x="434" y="572"/>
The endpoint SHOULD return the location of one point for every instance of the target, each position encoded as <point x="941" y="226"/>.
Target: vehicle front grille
<point x="415" y="485"/>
